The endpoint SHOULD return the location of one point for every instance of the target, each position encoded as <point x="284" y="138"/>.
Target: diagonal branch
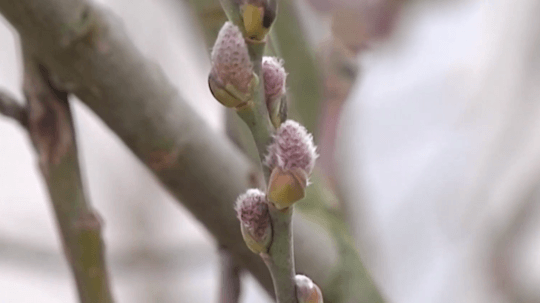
<point x="11" y="108"/>
<point x="88" y="51"/>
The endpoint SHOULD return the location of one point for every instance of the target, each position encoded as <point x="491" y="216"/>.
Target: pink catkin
<point x="230" y="58"/>
<point x="252" y="211"/>
<point x="292" y="148"/>
<point x="274" y="76"/>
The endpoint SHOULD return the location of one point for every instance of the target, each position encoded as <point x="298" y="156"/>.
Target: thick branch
<point x="88" y="51"/>
<point x="51" y="130"/>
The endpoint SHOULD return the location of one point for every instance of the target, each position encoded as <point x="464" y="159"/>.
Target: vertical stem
<point x="280" y="258"/>
<point x="255" y="114"/>
<point x="51" y="130"/>
<point x="230" y="278"/>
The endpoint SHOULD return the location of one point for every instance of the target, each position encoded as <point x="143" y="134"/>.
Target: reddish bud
<point x="292" y="148"/>
<point x="275" y="77"/>
<point x="231" y="79"/>
<point x="307" y="291"/>
<point x="252" y="211"/>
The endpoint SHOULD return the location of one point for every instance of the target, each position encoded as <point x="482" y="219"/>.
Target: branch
<point x="230" y="278"/>
<point x="88" y="51"/>
<point x="322" y="248"/>
<point x="11" y="108"/>
<point x="280" y="257"/>
<point x="51" y="129"/>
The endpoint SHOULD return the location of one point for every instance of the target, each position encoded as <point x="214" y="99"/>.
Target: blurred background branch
<point x="229" y="291"/>
<point x="49" y="123"/>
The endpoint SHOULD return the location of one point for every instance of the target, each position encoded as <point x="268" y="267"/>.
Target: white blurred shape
<point x="407" y="148"/>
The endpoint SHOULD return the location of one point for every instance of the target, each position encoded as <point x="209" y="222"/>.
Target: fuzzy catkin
<point x="230" y="58"/>
<point x="275" y="77"/>
<point x="252" y="211"/>
<point x="292" y="148"/>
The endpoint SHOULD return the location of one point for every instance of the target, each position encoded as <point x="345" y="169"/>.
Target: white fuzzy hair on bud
<point x="292" y="148"/>
<point x="230" y="59"/>
<point x="252" y="211"/>
<point x="275" y="77"/>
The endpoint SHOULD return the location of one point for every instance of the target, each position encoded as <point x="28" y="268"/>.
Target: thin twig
<point x="51" y="130"/>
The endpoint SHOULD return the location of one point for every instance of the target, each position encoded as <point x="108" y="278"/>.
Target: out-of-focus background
<point x="436" y="127"/>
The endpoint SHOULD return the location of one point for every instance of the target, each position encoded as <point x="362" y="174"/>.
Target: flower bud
<point x="287" y="187"/>
<point x="274" y="77"/>
<point x="231" y="79"/>
<point x="291" y="158"/>
<point x="307" y="291"/>
<point x="252" y="211"/>
<point x="258" y="17"/>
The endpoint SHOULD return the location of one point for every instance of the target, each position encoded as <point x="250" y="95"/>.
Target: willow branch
<point x="51" y="129"/>
<point x="87" y="51"/>
<point x="280" y="257"/>
<point x="344" y="279"/>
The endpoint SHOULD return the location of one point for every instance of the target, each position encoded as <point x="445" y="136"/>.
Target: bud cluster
<point x="291" y="155"/>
